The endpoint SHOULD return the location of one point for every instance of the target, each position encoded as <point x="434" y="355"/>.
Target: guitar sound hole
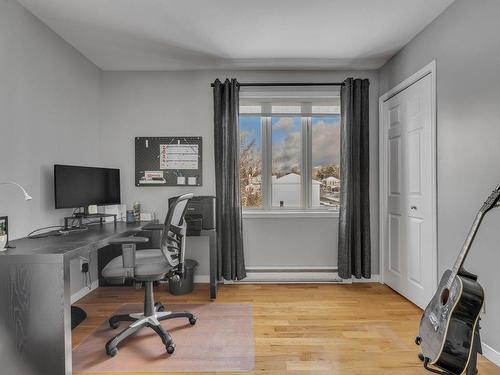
<point x="445" y="295"/>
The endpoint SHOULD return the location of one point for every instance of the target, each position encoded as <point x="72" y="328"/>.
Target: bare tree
<point x="327" y="171"/>
<point x="250" y="172"/>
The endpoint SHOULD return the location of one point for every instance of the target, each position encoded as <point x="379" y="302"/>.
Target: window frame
<point x="267" y="210"/>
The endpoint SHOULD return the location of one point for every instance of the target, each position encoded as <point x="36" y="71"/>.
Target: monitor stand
<point x="79" y="216"/>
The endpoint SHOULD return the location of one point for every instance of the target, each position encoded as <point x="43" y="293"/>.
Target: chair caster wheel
<point x="112" y="352"/>
<point x="159" y="307"/>
<point x="192" y="320"/>
<point x="113" y="324"/>
<point x="171" y="348"/>
<point x="418" y="340"/>
<point x="421" y="356"/>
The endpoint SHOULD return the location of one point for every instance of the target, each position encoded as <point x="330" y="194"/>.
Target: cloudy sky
<point x="325" y="140"/>
<point x="286" y="140"/>
<point x="250" y="129"/>
<point x="286" y="144"/>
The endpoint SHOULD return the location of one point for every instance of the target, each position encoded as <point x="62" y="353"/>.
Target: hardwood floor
<point x="305" y="329"/>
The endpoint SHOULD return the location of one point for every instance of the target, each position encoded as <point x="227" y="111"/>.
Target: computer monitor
<point x="84" y="186"/>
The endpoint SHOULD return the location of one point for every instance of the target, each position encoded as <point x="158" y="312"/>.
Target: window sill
<point x="288" y="214"/>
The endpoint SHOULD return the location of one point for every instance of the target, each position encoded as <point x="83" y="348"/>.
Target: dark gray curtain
<point x="354" y="221"/>
<point x="231" y="261"/>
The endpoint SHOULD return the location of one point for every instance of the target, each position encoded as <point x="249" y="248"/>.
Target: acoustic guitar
<point x="447" y="327"/>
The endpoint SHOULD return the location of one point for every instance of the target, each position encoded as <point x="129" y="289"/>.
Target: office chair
<point x="148" y="266"/>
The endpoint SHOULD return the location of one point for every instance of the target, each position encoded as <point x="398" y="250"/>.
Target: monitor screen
<point x="84" y="186"/>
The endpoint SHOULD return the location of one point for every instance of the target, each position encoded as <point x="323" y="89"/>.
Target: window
<point x="290" y="153"/>
<point x="325" y="150"/>
<point x="250" y="161"/>
<point x="286" y="179"/>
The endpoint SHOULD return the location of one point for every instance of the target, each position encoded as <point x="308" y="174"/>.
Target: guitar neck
<point x="491" y="202"/>
<point x="465" y="247"/>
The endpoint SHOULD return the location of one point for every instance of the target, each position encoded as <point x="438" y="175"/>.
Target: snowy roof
<point x="291" y="178"/>
<point x="331" y="178"/>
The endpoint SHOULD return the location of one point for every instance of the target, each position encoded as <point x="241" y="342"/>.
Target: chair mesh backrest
<point x="175" y="216"/>
<point x="178" y="212"/>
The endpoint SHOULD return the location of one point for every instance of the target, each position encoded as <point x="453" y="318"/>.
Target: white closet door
<point x="409" y="238"/>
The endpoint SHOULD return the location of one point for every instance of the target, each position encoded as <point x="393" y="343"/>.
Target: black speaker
<point x="200" y="214"/>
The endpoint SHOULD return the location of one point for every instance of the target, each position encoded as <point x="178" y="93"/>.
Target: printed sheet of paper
<point x="178" y="156"/>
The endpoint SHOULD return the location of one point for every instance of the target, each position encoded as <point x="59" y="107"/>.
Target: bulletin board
<point x="168" y="161"/>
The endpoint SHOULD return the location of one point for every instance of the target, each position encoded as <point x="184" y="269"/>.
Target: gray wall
<point x="57" y="107"/>
<point x="49" y="108"/>
<point x="180" y="103"/>
<point x="465" y="42"/>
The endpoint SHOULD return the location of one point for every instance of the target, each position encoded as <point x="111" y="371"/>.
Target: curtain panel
<point x="354" y="246"/>
<point x="231" y="261"/>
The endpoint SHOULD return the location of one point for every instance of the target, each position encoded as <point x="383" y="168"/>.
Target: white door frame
<point x="429" y="69"/>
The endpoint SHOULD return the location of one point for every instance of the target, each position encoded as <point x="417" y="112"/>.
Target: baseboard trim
<point x="491" y="354"/>
<point x="290" y="277"/>
<point x="297" y="275"/>
<point x="84" y="291"/>
<point x="201" y="279"/>
<point x="373" y="279"/>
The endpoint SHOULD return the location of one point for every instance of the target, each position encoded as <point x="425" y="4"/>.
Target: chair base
<point x="151" y="318"/>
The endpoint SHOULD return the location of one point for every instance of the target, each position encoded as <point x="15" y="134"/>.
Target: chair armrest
<point x="152" y="226"/>
<point x="128" y="240"/>
<point x="128" y="243"/>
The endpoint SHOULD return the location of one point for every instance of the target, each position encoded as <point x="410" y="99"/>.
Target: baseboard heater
<point x="291" y="275"/>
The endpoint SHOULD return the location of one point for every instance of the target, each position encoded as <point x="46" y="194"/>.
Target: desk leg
<point x="213" y="265"/>
<point x="35" y="316"/>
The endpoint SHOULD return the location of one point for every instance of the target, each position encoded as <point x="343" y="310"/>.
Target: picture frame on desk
<point x="4" y="233"/>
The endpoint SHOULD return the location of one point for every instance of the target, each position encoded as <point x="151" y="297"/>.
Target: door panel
<point x="414" y="251"/>
<point x="409" y="242"/>
<point x="394" y="245"/>
<point x="414" y="163"/>
<point x="394" y="166"/>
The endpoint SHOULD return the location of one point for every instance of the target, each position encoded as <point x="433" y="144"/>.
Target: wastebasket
<point x="184" y="286"/>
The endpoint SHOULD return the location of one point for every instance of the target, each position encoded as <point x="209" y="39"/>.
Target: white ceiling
<point x="237" y="34"/>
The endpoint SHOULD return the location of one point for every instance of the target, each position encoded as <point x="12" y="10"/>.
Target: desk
<point x="35" y="308"/>
<point x="213" y="280"/>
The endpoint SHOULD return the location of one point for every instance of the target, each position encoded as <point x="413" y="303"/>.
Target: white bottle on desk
<point x="3" y="242"/>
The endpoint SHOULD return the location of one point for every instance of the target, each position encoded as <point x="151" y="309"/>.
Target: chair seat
<point x="150" y="265"/>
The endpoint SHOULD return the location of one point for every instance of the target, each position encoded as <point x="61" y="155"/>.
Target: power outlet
<point x="84" y="265"/>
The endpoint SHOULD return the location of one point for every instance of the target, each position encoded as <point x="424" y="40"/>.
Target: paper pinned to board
<point x="178" y="156"/>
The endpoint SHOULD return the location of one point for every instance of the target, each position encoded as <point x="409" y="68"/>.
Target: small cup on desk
<point x="130" y="217"/>
<point x="3" y="242"/>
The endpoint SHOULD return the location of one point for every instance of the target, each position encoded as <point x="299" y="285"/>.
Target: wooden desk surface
<point x="71" y="244"/>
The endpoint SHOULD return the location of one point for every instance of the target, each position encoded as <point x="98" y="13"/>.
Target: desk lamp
<point x="27" y="197"/>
